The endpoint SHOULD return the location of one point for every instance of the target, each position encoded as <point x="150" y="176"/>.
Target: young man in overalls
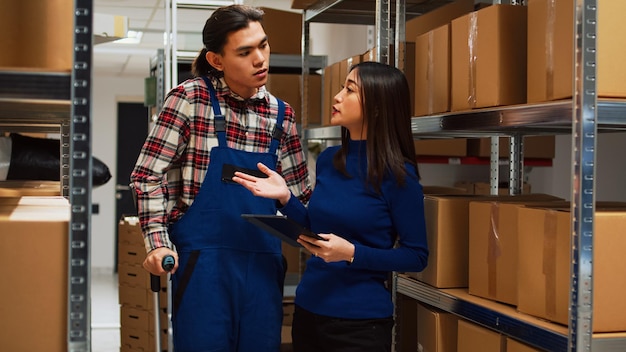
<point x="228" y="278"/>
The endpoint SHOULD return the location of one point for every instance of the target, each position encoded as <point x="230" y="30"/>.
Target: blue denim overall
<point x="227" y="291"/>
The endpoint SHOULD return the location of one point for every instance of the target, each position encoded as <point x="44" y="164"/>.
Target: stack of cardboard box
<point x="34" y="294"/>
<point x="137" y="315"/>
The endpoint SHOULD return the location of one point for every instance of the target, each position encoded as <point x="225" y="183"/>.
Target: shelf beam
<point x="528" y="119"/>
<point x="522" y="330"/>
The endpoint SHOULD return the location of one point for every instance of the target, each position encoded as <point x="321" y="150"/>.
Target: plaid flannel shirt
<point x="175" y="157"/>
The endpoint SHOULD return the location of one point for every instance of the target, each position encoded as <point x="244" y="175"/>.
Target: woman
<point x="228" y="276"/>
<point x="368" y="206"/>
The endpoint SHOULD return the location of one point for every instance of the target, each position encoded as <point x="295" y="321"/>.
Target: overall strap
<point x="278" y="132"/>
<point x="219" y="121"/>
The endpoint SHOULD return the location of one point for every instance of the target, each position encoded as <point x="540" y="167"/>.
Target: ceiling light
<point x="132" y="37"/>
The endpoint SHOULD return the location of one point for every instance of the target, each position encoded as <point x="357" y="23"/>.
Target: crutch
<point x="155" y="285"/>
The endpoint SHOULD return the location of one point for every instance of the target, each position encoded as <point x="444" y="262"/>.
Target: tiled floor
<point x="105" y="311"/>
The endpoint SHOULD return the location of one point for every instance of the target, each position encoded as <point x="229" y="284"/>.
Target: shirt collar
<point x="262" y="95"/>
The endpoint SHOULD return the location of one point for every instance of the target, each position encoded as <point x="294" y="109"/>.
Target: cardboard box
<point x="516" y="346"/>
<point x="490" y="69"/>
<point x="484" y="188"/>
<point x="332" y="85"/>
<point x="370" y="55"/>
<point x="141" y="297"/>
<point x="288" y="310"/>
<point x="292" y="256"/>
<point x="443" y="190"/>
<point x="437" y="17"/>
<point x="327" y="95"/>
<point x="136" y="276"/>
<point x="314" y="102"/>
<point x="302" y="4"/>
<point x="432" y="72"/>
<point x="18" y="188"/>
<point x="285" y="339"/>
<point x="436" y="330"/>
<point x="474" y="338"/>
<point x="140" y="339"/>
<point x="447" y="235"/>
<point x="346" y="64"/>
<point x="133" y="254"/>
<point x="129" y="231"/>
<point x="34" y="290"/>
<point x="544" y="236"/>
<point x="125" y="348"/>
<point x="447" y="227"/>
<point x="551" y="49"/>
<point x="405" y="50"/>
<point x="441" y="147"/>
<point x="284" y="31"/>
<point x="539" y="147"/>
<point x="141" y="319"/>
<point x="409" y="51"/>
<point x="44" y="41"/>
<point x="287" y="87"/>
<point x="493" y="248"/>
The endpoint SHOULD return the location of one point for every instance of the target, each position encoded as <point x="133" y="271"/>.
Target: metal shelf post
<point x="584" y="131"/>
<point x="80" y="182"/>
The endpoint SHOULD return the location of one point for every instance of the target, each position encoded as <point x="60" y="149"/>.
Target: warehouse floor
<point x="105" y="312"/>
<point x="105" y="309"/>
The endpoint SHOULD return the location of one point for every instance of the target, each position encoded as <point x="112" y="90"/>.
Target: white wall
<point x="555" y="180"/>
<point x="337" y="41"/>
<point x="107" y="92"/>
<point x="610" y="168"/>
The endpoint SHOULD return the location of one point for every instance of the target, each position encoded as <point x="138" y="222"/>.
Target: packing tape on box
<point x="430" y="72"/>
<point x="493" y="248"/>
<point x="549" y="261"/>
<point x="550" y="27"/>
<point x="471" y="44"/>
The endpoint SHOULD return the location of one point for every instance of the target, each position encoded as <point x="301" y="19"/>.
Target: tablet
<point x="282" y="227"/>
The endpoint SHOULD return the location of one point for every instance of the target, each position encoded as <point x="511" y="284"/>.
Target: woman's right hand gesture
<point x="273" y="186"/>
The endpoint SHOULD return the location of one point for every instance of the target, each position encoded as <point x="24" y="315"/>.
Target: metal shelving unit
<point x="53" y="102"/>
<point x="583" y="116"/>
<point x="278" y="62"/>
<point x="171" y="51"/>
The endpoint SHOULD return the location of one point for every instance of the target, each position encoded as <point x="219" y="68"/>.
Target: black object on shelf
<point x="39" y="159"/>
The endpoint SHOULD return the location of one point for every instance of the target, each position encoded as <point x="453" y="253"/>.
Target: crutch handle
<point x="168" y="263"/>
<point x="155" y="281"/>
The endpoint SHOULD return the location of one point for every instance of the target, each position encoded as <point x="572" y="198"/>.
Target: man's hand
<point x="154" y="260"/>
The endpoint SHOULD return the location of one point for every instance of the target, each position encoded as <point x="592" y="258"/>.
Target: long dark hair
<point x="386" y="106"/>
<point x="216" y="29"/>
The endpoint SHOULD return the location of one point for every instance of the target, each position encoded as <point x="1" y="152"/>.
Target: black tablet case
<point x="281" y="226"/>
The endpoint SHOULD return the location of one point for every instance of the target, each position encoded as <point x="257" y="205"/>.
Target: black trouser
<point x="317" y="333"/>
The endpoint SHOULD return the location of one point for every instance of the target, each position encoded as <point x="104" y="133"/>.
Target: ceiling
<point x="148" y="17"/>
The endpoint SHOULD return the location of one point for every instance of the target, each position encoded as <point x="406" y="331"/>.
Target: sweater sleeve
<point x="295" y="210"/>
<point x="406" y="208"/>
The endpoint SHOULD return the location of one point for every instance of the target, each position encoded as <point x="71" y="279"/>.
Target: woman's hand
<point x="333" y="249"/>
<point x="273" y="186"/>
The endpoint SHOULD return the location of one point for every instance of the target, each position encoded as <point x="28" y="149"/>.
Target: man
<point x="228" y="277"/>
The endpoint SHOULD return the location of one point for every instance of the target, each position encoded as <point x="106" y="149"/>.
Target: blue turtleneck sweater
<point x="347" y="208"/>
